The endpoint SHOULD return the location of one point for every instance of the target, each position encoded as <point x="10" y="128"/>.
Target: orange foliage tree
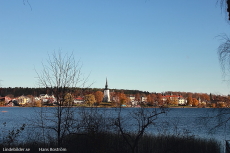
<point x="195" y="102"/>
<point x="98" y="97"/>
<point x="168" y="101"/>
<point x="204" y="97"/>
<point x="123" y="99"/>
<point x="159" y="99"/>
<point x="149" y="99"/>
<point x="175" y="101"/>
<point x="189" y="100"/>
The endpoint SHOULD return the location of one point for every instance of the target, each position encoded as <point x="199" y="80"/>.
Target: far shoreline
<point x="108" y="107"/>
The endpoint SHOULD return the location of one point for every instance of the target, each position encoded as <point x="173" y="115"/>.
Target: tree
<point x="168" y="101"/>
<point x="144" y="118"/>
<point x="60" y="75"/>
<point x="149" y="99"/>
<point x="122" y="99"/>
<point x="37" y="103"/>
<point x="153" y="98"/>
<point x="223" y="114"/>
<point x="224" y="55"/>
<point x="159" y="99"/>
<point x="175" y="101"/>
<point x="137" y="97"/>
<point x="189" y="101"/>
<point x="205" y="97"/>
<point x="68" y="100"/>
<point x="10" y="96"/>
<point x="195" y="102"/>
<point x="98" y="97"/>
<point x="90" y="99"/>
<point x="226" y="5"/>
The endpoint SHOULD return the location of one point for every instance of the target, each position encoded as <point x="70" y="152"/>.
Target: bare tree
<point x="225" y="5"/>
<point x="61" y="74"/>
<point x="224" y="49"/>
<point x="224" y="55"/>
<point x="142" y="118"/>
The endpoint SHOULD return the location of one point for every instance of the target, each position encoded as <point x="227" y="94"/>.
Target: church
<point x="106" y="97"/>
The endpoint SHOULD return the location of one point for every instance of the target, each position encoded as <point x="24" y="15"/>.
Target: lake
<point x="180" y="121"/>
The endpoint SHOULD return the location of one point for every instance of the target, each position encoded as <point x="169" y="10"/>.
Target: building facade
<point x="106" y="97"/>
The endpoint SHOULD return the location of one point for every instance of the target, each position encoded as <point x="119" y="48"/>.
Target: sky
<point x="148" y="45"/>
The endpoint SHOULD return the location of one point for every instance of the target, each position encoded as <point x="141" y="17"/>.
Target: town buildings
<point x="117" y="97"/>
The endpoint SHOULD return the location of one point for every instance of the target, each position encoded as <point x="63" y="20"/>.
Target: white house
<point x="46" y="98"/>
<point x="134" y="103"/>
<point x="182" y="101"/>
<point x="143" y="99"/>
<point x="23" y="100"/>
<point x="132" y="98"/>
<point x="78" y="100"/>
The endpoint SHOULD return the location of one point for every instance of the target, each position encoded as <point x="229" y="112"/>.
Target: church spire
<point x="106" y="97"/>
<point x="106" y="85"/>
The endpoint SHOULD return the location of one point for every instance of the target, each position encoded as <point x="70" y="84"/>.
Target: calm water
<point x="190" y="121"/>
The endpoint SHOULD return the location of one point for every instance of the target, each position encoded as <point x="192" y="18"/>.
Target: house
<point x="22" y="100"/>
<point x="132" y="98"/>
<point x="78" y="100"/>
<point x="180" y="100"/>
<point x="143" y="98"/>
<point x="202" y="102"/>
<point x="134" y="103"/>
<point x="171" y="97"/>
<point x="7" y="99"/>
<point x="45" y="98"/>
<point x="10" y="102"/>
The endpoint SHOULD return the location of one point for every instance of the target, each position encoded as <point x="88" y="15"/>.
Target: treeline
<point x="19" y="91"/>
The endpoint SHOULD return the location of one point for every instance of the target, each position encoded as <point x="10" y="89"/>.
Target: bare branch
<point x="224" y="54"/>
<point x="27" y="2"/>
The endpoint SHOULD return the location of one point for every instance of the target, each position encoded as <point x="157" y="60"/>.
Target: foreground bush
<point x="175" y="144"/>
<point x="114" y="143"/>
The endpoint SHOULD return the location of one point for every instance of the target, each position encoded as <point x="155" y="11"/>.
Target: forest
<point x="19" y="91"/>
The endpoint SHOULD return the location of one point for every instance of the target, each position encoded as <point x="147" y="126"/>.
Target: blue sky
<point x="149" y="45"/>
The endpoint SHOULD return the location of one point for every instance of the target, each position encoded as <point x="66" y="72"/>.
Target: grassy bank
<point x="114" y="143"/>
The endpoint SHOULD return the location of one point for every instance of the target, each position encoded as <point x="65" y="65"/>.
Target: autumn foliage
<point x="123" y="99"/>
<point x="195" y="102"/>
<point x="90" y="99"/>
<point x="189" y="101"/>
<point x="98" y="97"/>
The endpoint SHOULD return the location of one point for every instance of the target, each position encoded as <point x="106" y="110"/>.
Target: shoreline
<point x="111" y="107"/>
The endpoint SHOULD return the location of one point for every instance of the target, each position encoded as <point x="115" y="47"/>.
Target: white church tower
<point x="106" y="97"/>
